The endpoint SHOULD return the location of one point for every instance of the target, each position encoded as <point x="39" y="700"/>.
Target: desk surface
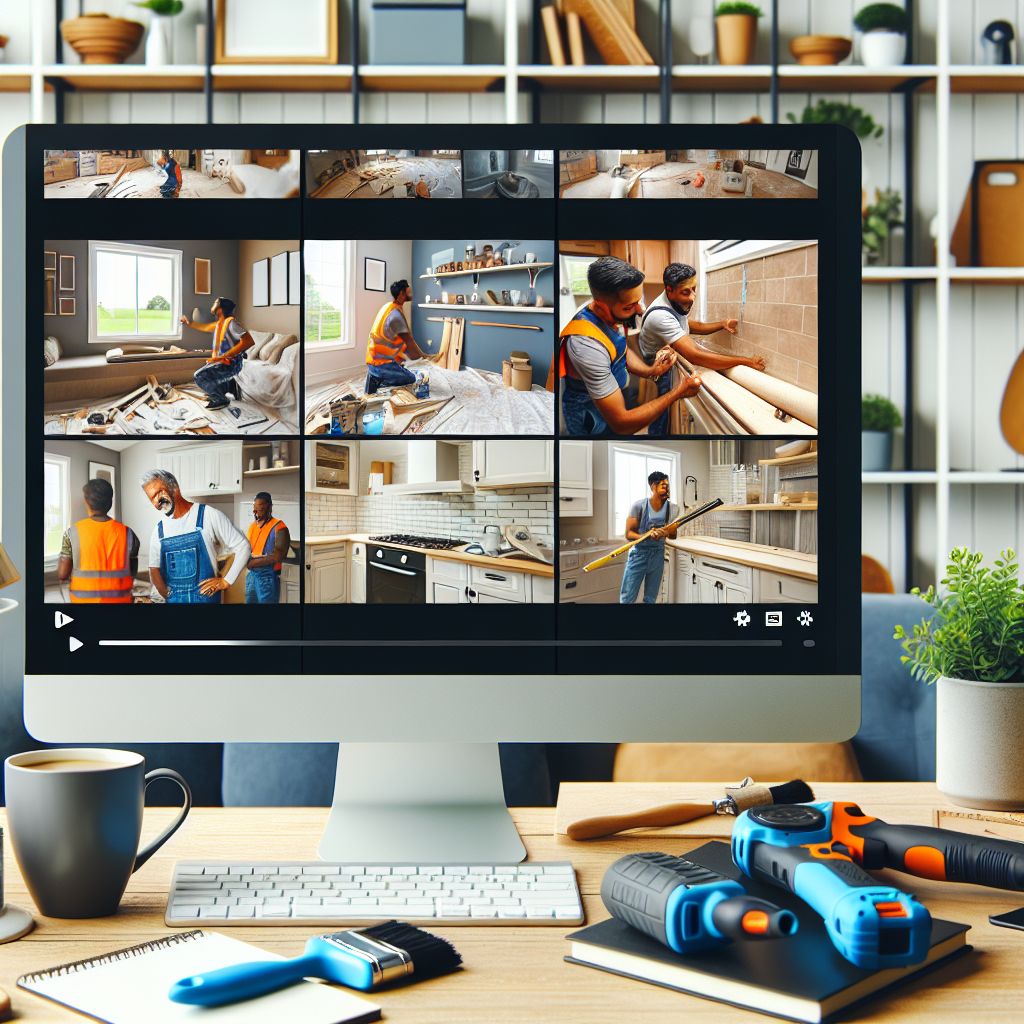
<point x="517" y="974"/>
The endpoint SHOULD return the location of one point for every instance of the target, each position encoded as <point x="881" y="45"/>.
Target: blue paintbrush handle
<point x="243" y="981"/>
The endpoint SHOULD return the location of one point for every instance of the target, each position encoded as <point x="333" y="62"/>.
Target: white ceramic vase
<point x="979" y="754"/>
<point x="158" y="41"/>
<point x="883" y="49"/>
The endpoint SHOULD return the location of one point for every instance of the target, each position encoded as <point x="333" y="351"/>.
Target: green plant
<point x="168" y="7"/>
<point x="739" y="8"/>
<point x="882" y="18"/>
<point x="861" y="123"/>
<point x="878" y="413"/>
<point x="977" y="629"/>
<point x="877" y="219"/>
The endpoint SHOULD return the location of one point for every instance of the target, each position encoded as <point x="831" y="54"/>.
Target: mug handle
<point x="148" y="851"/>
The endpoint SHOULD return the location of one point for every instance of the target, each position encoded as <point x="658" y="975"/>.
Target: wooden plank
<point x="614" y="39"/>
<point x="552" y="36"/>
<point x="574" y="34"/>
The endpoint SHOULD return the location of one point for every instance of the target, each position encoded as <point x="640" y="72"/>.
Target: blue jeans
<point x="581" y="415"/>
<point x="262" y="586"/>
<point x="214" y="378"/>
<point x="387" y="375"/>
<point x="659" y="428"/>
<point x="644" y="564"/>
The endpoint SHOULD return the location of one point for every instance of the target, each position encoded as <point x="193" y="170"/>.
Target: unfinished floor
<point x="396" y="178"/>
<point x="142" y="183"/>
<point x="676" y="181"/>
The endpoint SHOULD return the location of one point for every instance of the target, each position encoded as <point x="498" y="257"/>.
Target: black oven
<point x="394" y="576"/>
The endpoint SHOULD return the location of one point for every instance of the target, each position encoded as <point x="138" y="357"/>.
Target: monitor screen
<point x="286" y="425"/>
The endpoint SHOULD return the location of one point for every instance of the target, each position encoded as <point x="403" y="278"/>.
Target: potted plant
<point x="736" y="32"/>
<point x="972" y="648"/>
<point x="883" y="41"/>
<point x="877" y="220"/>
<point x="859" y="121"/>
<point x="159" y="37"/>
<point x="878" y="419"/>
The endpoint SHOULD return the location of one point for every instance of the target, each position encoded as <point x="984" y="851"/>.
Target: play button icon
<point x="74" y="643"/>
<point x="60" y="620"/>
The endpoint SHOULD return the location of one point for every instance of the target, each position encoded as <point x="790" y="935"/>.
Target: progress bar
<point x="184" y="642"/>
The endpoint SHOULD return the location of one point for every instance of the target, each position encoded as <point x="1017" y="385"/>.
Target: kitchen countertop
<point x="757" y="556"/>
<point x="512" y="564"/>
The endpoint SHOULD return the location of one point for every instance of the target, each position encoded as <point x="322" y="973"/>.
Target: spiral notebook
<point x="131" y="985"/>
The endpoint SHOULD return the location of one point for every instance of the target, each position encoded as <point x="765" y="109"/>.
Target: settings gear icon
<point x="805" y="618"/>
<point x="742" y="617"/>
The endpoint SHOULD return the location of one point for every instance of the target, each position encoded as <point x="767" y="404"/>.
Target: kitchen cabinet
<point x="586" y="247"/>
<point x="332" y="467"/>
<point x="290" y="583"/>
<point x="650" y="257"/>
<point x="718" y="581"/>
<point x="686" y="580"/>
<point x="775" y="586"/>
<point x="206" y="469"/>
<point x="447" y="581"/>
<point x="543" y="589"/>
<point x="575" y="479"/>
<point x="666" y="589"/>
<point x="357" y="574"/>
<point x="496" y="583"/>
<point x="327" y="573"/>
<point x="513" y="463"/>
<point x="482" y="597"/>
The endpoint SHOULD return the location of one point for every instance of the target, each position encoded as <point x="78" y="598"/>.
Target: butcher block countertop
<point x="757" y="556"/>
<point x="511" y="564"/>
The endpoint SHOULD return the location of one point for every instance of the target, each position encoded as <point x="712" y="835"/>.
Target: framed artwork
<point x="202" y="276"/>
<point x="66" y="305"/>
<point x="294" y="278"/>
<point x="49" y="293"/>
<point x="101" y="471"/>
<point x="67" y="273"/>
<point x="270" y="32"/>
<point x="261" y="283"/>
<point x="279" y="279"/>
<point x="757" y="158"/>
<point x="797" y="163"/>
<point x="374" y="274"/>
<point x="49" y="261"/>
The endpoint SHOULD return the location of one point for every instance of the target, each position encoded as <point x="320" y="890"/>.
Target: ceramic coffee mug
<point x="75" y="817"/>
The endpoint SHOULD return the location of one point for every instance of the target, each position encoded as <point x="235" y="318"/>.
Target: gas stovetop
<point x="437" y="543"/>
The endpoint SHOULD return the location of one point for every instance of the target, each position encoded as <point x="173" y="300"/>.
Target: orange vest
<point x="381" y="350"/>
<point x="583" y="327"/>
<point x="101" y="561"/>
<point x="259" y="535"/>
<point x="219" y="331"/>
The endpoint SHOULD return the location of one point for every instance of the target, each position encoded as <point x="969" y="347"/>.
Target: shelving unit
<point x="549" y="310"/>
<point x="485" y="270"/>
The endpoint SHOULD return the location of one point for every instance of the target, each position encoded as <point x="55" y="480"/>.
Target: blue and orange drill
<point x="686" y="906"/>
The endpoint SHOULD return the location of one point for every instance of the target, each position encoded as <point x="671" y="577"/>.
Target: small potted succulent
<point x="736" y="32"/>
<point x="160" y="35"/>
<point x="878" y="419"/>
<point x="971" y="646"/>
<point x="883" y="28"/>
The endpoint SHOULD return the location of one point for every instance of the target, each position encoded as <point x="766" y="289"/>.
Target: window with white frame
<point x="329" y="292"/>
<point x="134" y="293"/>
<point x="629" y="466"/>
<point x="543" y="156"/>
<point x="56" y="505"/>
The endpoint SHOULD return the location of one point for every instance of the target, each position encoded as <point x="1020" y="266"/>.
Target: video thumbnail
<point x="667" y="337"/>
<point x="384" y="173"/>
<point x="688" y="522"/>
<point x="156" y="522"/>
<point x="509" y="173"/>
<point x="430" y="522"/>
<point x="429" y="336"/>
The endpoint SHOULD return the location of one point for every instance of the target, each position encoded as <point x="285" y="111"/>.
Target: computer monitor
<point x="419" y="431"/>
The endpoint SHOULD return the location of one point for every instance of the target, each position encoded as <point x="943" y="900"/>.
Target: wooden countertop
<point x="757" y="556"/>
<point x="511" y="564"/>
<point x="514" y="974"/>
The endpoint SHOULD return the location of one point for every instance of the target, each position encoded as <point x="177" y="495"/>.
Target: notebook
<point x="801" y="978"/>
<point x="131" y="985"/>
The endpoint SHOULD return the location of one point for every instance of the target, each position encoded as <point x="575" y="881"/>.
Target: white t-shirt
<point x="221" y="535"/>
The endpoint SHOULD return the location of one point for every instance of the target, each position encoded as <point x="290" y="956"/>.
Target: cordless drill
<point x="686" y="906"/>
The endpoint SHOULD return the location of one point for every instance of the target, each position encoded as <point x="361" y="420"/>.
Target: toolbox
<point x="418" y="32"/>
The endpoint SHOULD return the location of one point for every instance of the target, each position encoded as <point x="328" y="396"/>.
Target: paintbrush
<point x="362" y="958"/>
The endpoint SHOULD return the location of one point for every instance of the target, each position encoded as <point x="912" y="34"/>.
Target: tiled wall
<point x="778" y="319"/>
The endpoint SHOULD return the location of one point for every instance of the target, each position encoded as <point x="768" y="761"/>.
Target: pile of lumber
<point x="577" y="168"/>
<point x="110" y="163"/>
<point x="449" y="354"/>
<point x="610" y="24"/>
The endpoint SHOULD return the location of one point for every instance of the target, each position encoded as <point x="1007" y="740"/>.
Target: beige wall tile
<point x="799" y="346"/>
<point x="801" y="291"/>
<point x="810" y="321"/>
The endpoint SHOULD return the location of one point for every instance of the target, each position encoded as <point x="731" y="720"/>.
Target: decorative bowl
<point x="100" y="39"/>
<point x="820" y="50"/>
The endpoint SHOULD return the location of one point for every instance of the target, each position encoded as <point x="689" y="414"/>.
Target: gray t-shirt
<point x="591" y="361"/>
<point x="232" y="335"/>
<point x="395" y="324"/>
<point x="662" y="325"/>
<point x="666" y="514"/>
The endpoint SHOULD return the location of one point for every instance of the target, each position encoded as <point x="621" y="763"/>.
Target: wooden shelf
<point x="986" y="275"/>
<point x="15" y="77"/>
<point x="273" y="471"/>
<point x="431" y="77"/>
<point x="593" y="77"/>
<point x="1011" y="478"/>
<point x="806" y="506"/>
<point x="282" y="77"/>
<point x="485" y="270"/>
<point x="720" y="78"/>
<point x="853" y="77"/>
<point x="487" y="309"/>
<point x="917" y="476"/>
<point x="966" y="78"/>
<point x="128" y="77"/>
<point x="790" y="460"/>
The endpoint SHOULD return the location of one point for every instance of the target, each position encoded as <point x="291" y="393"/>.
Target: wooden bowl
<point x="820" y="49"/>
<point x="100" y="39"/>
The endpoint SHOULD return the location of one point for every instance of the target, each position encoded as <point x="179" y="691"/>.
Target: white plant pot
<point x="158" y="41"/>
<point x="883" y="49"/>
<point x="979" y="756"/>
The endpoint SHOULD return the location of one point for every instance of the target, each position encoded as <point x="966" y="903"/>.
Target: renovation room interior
<point x="769" y="287"/>
<point x="118" y="361"/>
<point x="384" y="174"/>
<point x="760" y="545"/>
<point x="471" y="321"/>
<point x="508" y="173"/>
<point x="429" y="522"/>
<point x="224" y="474"/>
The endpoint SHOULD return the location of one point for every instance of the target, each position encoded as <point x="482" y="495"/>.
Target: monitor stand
<point x="420" y="803"/>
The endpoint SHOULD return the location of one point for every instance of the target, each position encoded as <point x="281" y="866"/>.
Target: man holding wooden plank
<point x="595" y="362"/>
<point x="391" y="343"/>
<point x="645" y="563"/>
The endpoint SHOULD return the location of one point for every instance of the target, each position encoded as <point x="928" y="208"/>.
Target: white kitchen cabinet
<point x="775" y="586"/>
<point x="205" y="469"/>
<point x="447" y="581"/>
<point x="332" y="467"/>
<point x="686" y="581"/>
<point x="513" y="463"/>
<point x="667" y="587"/>
<point x="719" y="581"/>
<point x="447" y="593"/>
<point x="481" y="597"/>
<point x="290" y="584"/>
<point x="576" y="464"/>
<point x="510" y="586"/>
<point x="327" y="574"/>
<point x="543" y="589"/>
<point x="357" y="574"/>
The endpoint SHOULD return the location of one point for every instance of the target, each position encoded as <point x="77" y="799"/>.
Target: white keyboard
<point x="318" y="893"/>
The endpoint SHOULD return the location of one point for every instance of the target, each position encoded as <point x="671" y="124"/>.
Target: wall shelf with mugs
<point x="533" y="268"/>
<point x="485" y="308"/>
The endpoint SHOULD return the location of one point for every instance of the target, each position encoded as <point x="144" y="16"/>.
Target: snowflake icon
<point x="805" y="618"/>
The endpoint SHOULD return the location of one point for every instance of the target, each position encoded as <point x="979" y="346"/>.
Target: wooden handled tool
<point x="599" y="563"/>
<point x="517" y="327"/>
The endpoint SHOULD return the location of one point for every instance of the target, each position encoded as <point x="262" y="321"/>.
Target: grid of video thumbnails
<point x="428" y="420"/>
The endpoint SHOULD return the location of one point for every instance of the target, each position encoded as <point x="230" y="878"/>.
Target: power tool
<point x="686" y="906"/>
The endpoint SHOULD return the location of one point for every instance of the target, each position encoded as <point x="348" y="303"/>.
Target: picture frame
<point x="279" y="279"/>
<point x="374" y="274"/>
<point x="797" y="163"/>
<point x="269" y="32"/>
<point x="202" y="275"/>
<point x="49" y="260"/>
<point x="50" y="292"/>
<point x="66" y="305"/>
<point x="104" y="471"/>
<point x="294" y="278"/>
<point x="66" y="273"/>
<point x="261" y="283"/>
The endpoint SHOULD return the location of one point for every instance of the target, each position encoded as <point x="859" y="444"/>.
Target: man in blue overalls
<point x="230" y="342"/>
<point x="645" y="562"/>
<point x="269" y="541"/>
<point x="188" y="543"/>
<point x="170" y="187"/>
<point x="594" y="361"/>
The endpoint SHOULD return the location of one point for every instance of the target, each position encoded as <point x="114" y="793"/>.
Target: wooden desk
<point x="517" y="974"/>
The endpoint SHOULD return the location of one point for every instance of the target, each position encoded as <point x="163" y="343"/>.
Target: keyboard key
<point x="242" y="912"/>
<point x="540" y="911"/>
<point x="483" y="911"/>
<point x="190" y="869"/>
<point x="213" y="912"/>
<point x="568" y="913"/>
<point x="558" y="869"/>
<point x="512" y="912"/>
<point x="185" y="911"/>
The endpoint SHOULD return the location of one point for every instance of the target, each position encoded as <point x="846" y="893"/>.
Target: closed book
<point x="799" y="978"/>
